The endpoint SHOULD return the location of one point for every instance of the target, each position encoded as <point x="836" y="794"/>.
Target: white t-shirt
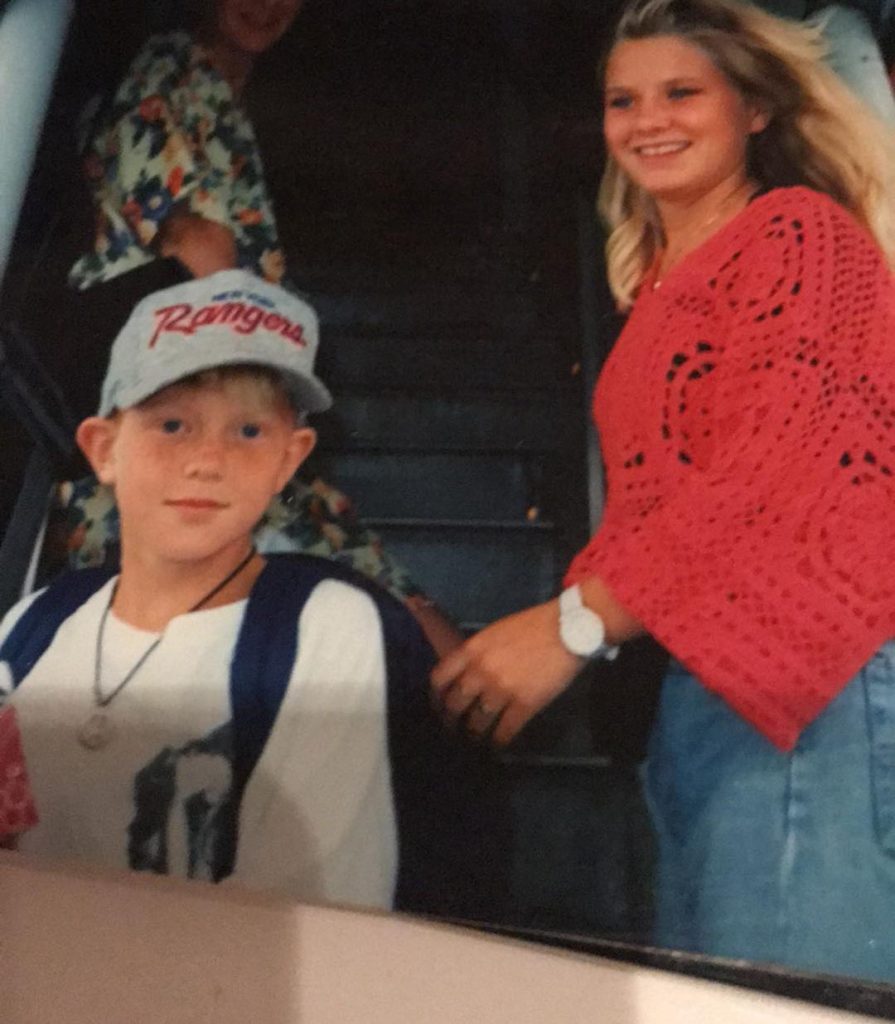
<point x="317" y="818"/>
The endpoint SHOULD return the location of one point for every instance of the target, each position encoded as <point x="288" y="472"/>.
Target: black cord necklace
<point x="98" y="731"/>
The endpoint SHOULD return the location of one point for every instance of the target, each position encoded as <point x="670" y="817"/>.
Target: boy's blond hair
<point x="260" y="379"/>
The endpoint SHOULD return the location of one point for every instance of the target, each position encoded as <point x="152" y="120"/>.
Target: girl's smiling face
<point x="672" y="120"/>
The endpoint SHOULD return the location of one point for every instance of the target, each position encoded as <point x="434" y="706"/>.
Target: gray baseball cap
<point x="227" y="318"/>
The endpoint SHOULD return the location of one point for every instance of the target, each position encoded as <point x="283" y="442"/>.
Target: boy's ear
<point x="96" y="437"/>
<point x="299" y="447"/>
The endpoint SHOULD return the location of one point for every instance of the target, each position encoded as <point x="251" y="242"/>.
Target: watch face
<point x="582" y="631"/>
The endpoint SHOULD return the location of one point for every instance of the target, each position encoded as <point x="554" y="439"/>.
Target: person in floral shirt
<point x="175" y="172"/>
<point x="176" y="148"/>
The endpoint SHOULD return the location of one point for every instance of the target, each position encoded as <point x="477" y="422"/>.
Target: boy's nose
<point x="205" y="459"/>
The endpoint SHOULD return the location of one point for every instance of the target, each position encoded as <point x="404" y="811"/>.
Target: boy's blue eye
<point x="620" y="102"/>
<point x="172" y="426"/>
<point x="681" y="92"/>
<point x="250" y="430"/>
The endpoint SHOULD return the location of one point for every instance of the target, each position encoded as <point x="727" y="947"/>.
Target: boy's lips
<point x="198" y="503"/>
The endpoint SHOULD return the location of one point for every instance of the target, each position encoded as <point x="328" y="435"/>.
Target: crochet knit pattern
<point x="747" y="419"/>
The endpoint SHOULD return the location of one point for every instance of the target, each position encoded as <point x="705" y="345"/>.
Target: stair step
<point x="476" y="575"/>
<point x="562" y="762"/>
<point x="460" y="360"/>
<point x="453" y="486"/>
<point x="380" y="523"/>
<point x="414" y="312"/>
<point x="458" y="242"/>
<point x="512" y="421"/>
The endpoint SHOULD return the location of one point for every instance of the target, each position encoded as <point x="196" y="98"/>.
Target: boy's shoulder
<point x="345" y="600"/>
<point x="286" y="574"/>
<point x="287" y="580"/>
<point x="30" y="626"/>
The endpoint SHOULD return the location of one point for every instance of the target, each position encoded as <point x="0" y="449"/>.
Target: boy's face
<point x="194" y="467"/>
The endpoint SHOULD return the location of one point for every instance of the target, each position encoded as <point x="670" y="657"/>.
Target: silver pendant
<point x="97" y="732"/>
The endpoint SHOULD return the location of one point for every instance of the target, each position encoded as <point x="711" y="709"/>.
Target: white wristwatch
<point x="581" y="630"/>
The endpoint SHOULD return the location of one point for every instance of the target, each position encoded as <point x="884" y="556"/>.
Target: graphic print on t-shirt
<point x="183" y="808"/>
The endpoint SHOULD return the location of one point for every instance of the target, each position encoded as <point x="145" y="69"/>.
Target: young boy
<point x="150" y="735"/>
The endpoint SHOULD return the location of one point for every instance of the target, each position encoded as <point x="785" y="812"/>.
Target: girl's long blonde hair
<point x="819" y="134"/>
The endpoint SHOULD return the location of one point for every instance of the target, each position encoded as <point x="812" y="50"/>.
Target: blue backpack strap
<point x="38" y="625"/>
<point x="260" y="670"/>
<point x="452" y="812"/>
<point x="265" y="652"/>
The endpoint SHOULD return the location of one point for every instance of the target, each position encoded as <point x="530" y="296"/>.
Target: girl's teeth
<point x="662" y="150"/>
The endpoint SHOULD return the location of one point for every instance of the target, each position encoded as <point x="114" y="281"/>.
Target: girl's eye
<point x="619" y="102"/>
<point x="250" y="430"/>
<point x="682" y="92"/>
<point x="172" y="426"/>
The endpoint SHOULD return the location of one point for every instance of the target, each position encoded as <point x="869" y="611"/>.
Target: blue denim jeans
<point x="784" y="858"/>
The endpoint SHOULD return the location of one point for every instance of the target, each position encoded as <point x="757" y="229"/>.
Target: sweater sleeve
<point x="763" y="559"/>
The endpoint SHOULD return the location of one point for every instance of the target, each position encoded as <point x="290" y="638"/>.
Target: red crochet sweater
<point x="747" y="419"/>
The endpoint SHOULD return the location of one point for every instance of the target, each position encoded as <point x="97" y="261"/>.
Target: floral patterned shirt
<point x="175" y="137"/>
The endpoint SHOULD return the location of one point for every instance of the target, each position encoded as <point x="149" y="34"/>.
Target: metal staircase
<point x="462" y="329"/>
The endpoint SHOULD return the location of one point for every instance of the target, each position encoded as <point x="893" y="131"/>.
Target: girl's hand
<point x="503" y="676"/>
